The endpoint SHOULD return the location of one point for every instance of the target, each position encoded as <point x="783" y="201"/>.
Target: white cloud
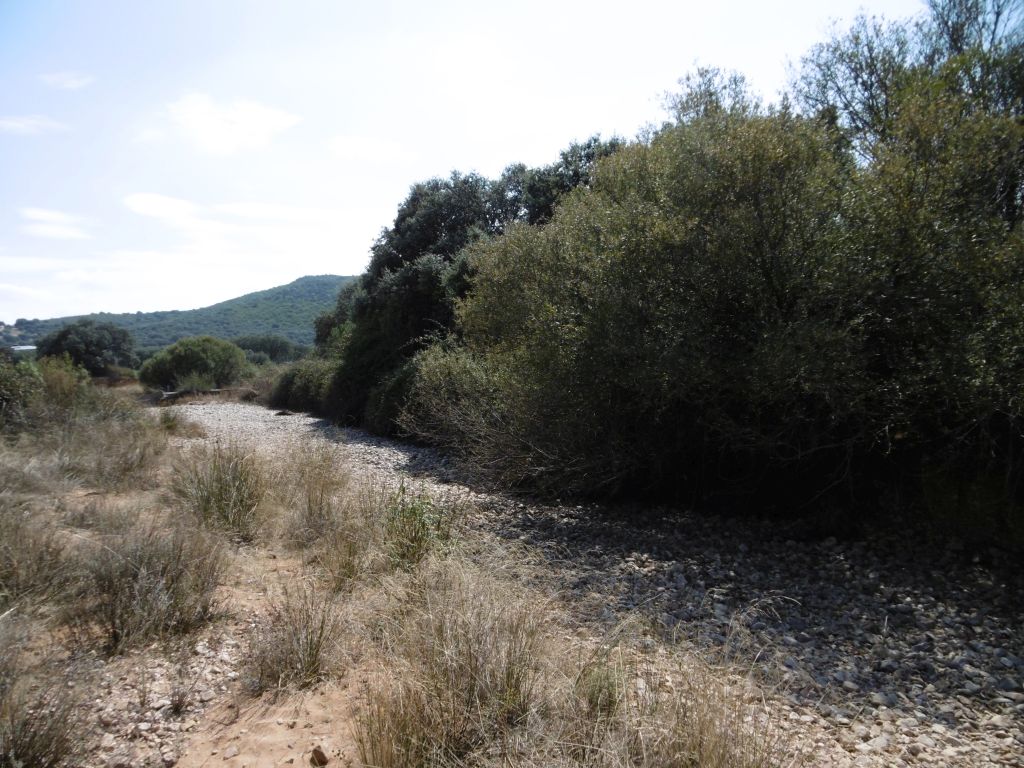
<point x="56" y="225"/>
<point x="171" y="209"/>
<point x="277" y="213"/>
<point x="241" y="245"/>
<point x="368" y="149"/>
<point x="223" y="129"/>
<point x="30" y="125"/>
<point x="21" y="291"/>
<point x="29" y="265"/>
<point x="67" y="80"/>
<point x="149" y="136"/>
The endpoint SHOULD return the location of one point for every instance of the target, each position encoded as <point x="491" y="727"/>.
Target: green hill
<point x="288" y="310"/>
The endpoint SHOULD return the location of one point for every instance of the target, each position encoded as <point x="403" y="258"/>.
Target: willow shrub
<point x="737" y="306"/>
<point x="304" y="385"/>
<point x="199" y="361"/>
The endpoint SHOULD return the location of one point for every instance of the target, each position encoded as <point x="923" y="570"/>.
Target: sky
<point x="170" y="155"/>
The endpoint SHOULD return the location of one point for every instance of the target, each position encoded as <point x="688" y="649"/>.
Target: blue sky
<point x="169" y="155"/>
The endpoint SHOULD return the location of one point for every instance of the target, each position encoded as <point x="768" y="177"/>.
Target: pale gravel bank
<point x="909" y="655"/>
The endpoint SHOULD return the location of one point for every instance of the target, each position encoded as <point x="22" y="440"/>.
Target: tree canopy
<point x="97" y="347"/>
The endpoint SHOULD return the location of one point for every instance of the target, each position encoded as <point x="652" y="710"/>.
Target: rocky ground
<point x="900" y="653"/>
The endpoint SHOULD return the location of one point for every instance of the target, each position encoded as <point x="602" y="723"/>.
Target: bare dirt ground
<point x="864" y="653"/>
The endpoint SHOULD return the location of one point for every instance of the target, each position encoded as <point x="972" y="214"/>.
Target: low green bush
<point x="194" y="362"/>
<point x="19" y="385"/>
<point x="304" y="385"/>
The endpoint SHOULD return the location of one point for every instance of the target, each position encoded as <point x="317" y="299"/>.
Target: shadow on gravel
<point x="850" y="627"/>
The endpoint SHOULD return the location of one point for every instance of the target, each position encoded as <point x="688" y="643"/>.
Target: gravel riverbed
<point x="910" y="654"/>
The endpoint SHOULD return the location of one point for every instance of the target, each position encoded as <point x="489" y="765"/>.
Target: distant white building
<point x="23" y="348"/>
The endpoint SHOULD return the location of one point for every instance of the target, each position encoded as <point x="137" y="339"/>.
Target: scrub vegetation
<point x="811" y="304"/>
<point x="131" y="564"/>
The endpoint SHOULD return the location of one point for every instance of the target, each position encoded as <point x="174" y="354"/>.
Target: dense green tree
<point x="276" y="348"/>
<point x="201" y="362"/>
<point x="419" y="268"/>
<point x="782" y="302"/>
<point x="97" y="347"/>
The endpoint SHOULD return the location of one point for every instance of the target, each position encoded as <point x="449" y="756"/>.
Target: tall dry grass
<point x="41" y="724"/>
<point x="223" y="486"/>
<point x="475" y="672"/>
<point x="350" y="527"/>
<point x="32" y="567"/>
<point x="297" y="643"/>
<point x="467" y="655"/>
<point x="143" y="583"/>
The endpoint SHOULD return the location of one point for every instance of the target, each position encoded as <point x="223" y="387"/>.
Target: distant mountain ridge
<point x="287" y="310"/>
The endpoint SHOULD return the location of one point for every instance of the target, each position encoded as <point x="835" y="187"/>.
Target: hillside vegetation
<point x="288" y="311"/>
<point x="814" y="304"/>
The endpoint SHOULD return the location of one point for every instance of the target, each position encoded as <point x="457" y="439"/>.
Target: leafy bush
<point x="97" y="347"/>
<point x="19" y="384"/>
<point x="417" y="270"/>
<point x="304" y="385"/>
<point x="198" y="362"/>
<point x="737" y="306"/>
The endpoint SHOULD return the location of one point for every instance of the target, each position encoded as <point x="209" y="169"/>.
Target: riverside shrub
<point x="200" y="361"/>
<point x="304" y="385"/>
<point x="736" y="306"/>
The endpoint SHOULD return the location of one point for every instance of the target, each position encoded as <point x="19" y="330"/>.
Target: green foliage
<point x="19" y="384"/>
<point x="97" y="347"/>
<point x="304" y="385"/>
<point x="757" y="302"/>
<point x="275" y="348"/>
<point x="287" y="311"/>
<point x="417" y="270"/>
<point x="413" y="525"/>
<point x="389" y="325"/>
<point x="200" y="362"/>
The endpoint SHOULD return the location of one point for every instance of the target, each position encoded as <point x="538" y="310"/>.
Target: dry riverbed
<point x="702" y="640"/>
<point x="885" y="652"/>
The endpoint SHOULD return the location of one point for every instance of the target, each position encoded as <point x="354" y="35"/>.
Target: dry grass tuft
<point x="350" y="528"/>
<point x="472" y="677"/>
<point x="173" y="423"/>
<point x="468" y="656"/>
<point x="112" y="454"/>
<point x="223" y="486"/>
<point x="144" y="583"/>
<point x="32" y="567"/>
<point x="40" y="723"/>
<point x="314" y="486"/>
<point x="96" y="437"/>
<point x="296" y="645"/>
